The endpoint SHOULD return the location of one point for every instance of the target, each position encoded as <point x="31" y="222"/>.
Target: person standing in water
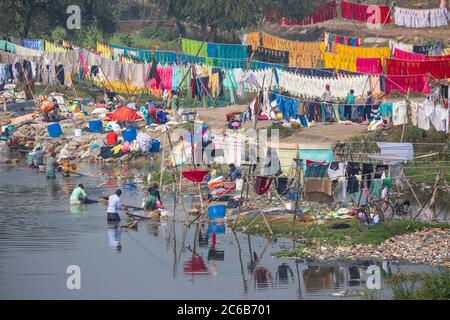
<point x="114" y="206"/>
<point x="50" y="169"/>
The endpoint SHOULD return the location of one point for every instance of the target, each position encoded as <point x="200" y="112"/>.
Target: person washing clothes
<point x="50" y="169"/>
<point x="114" y="206"/>
<point x="153" y="198"/>
<point x="78" y="195"/>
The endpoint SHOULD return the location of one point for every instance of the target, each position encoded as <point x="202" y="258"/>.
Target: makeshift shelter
<point x="393" y="153"/>
<point x="123" y="113"/>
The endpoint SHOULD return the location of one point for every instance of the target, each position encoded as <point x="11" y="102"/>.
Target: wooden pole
<point x="162" y="162"/>
<point x="240" y="203"/>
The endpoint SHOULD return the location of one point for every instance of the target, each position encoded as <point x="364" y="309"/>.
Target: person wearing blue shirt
<point x="349" y="102"/>
<point x="234" y="172"/>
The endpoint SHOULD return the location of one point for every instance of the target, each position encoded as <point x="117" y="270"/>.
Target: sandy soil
<point x="320" y="133"/>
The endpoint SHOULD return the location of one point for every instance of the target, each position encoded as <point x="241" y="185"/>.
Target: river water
<point x="41" y="235"/>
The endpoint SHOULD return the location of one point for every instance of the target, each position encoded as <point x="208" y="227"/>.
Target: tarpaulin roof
<point x="393" y="152"/>
<point x="123" y="113"/>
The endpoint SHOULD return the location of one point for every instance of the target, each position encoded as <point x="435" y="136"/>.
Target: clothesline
<point x="324" y="102"/>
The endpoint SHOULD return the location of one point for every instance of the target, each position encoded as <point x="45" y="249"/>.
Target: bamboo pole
<point x="162" y="162"/>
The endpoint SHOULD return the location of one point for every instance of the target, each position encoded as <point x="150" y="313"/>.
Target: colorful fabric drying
<point x="194" y="47"/>
<point x="421" y="18"/>
<point x="364" y="12"/>
<point x="415" y="83"/>
<point x="360" y="52"/>
<point x="438" y="69"/>
<point x="333" y="38"/>
<point x="337" y="61"/>
<point x="262" y="185"/>
<point x="253" y="39"/>
<point x="369" y="65"/>
<point x="195" y="175"/>
<point x="323" y="12"/>
<point x="404" y="55"/>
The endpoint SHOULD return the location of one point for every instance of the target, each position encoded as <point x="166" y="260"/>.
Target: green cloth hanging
<point x="194" y="48"/>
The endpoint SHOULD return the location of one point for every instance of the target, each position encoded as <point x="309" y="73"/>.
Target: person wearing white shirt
<point x="114" y="206"/>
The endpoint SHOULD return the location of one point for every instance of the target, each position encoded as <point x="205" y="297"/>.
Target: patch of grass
<point x="419" y="286"/>
<point x="323" y="233"/>
<point x="282" y="131"/>
<point x="141" y="42"/>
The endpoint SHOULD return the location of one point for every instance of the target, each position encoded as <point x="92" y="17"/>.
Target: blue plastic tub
<point x="216" y="228"/>
<point x="96" y="126"/>
<point x="54" y="130"/>
<point x="129" y="134"/>
<point x="155" y="146"/>
<point x="216" y="212"/>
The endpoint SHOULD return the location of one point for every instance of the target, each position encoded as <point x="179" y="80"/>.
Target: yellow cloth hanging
<point x="254" y="39"/>
<point x="50" y="47"/>
<point x="341" y="62"/>
<point x="307" y="59"/>
<point x="447" y="52"/>
<point x="214" y="84"/>
<point x="360" y="52"/>
<point x="301" y="54"/>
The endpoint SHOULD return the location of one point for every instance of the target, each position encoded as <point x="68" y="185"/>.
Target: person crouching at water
<point x="50" y="169"/>
<point x="153" y="198"/>
<point x="114" y="206"/>
<point x="78" y="195"/>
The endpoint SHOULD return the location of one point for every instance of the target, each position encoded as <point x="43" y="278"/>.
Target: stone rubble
<point x="430" y="246"/>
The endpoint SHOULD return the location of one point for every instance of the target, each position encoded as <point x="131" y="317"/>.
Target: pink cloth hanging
<point x="405" y="55"/>
<point x="369" y="65"/>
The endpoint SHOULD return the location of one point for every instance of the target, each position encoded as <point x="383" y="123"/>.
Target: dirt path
<point x="317" y="134"/>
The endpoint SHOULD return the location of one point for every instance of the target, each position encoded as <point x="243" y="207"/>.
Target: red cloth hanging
<point x="261" y="185"/>
<point x="360" y="12"/>
<point x="415" y="83"/>
<point x="438" y="69"/>
<point x="195" y="175"/>
<point x="323" y="12"/>
<point x="310" y="162"/>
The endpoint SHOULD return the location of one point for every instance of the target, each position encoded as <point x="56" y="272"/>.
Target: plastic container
<point x="77" y="133"/>
<point x="96" y="126"/>
<point x="289" y="206"/>
<point x="239" y="184"/>
<point x="216" y="228"/>
<point x="155" y="145"/>
<point x="216" y="212"/>
<point x="54" y="130"/>
<point x="129" y="135"/>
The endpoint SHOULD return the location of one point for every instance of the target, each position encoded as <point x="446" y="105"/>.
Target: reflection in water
<point x="285" y="274"/>
<point x="36" y="235"/>
<point x="114" y="233"/>
<point x="195" y="266"/>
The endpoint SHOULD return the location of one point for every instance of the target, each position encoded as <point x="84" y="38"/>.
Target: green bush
<point x="421" y="286"/>
<point x="154" y="31"/>
<point x="127" y="40"/>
